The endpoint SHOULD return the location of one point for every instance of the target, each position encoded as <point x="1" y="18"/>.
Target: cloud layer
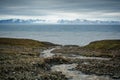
<point x="58" y="9"/>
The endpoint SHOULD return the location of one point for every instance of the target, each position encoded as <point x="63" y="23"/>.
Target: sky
<point x="60" y="9"/>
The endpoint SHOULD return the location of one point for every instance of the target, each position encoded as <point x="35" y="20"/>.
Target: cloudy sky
<point x="60" y="9"/>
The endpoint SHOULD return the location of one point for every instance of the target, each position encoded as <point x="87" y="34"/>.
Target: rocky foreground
<point x="19" y="59"/>
<point x="102" y="49"/>
<point x="109" y="68"/>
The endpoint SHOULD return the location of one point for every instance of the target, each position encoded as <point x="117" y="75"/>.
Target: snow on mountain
<point x="84" y="21"/>
<point x="22" y="21"/>
<point x="61" y="21"/>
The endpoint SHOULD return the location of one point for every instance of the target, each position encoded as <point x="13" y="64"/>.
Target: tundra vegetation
<point x="19" y="59"/>
<point x="103" y="49"/>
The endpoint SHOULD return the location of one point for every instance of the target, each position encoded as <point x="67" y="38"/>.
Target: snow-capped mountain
<point x="84" y="21"/>
<point x="61" y="21"/>
<point x="22" y="21"/>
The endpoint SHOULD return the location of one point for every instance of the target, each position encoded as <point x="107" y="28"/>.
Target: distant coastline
<point x="59" y="22"/>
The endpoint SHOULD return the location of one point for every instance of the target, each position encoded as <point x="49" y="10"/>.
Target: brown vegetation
<point x="101" y="67"/>
<point x="103" y="48"/>
<point x="19" y="60"/>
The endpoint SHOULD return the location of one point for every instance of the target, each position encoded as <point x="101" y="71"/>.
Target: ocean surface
<point x="61" y="34"/>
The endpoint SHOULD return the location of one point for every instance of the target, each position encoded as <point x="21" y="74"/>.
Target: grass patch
<point x="103" y="48"/>
<point x="19" y="60"/>
<point x="23" y="46"/>
<point x="104" y="45"/>
<point x="24" y="42"/>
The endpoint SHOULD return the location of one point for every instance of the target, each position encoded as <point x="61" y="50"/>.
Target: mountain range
<point x="84" y="21"/>
<point x="22" y="21"/>
<point x="61" y="21"/>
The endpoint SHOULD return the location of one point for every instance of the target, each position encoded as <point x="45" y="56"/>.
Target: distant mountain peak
<point x="85" y="21"/>
<point x="61" y="21"/>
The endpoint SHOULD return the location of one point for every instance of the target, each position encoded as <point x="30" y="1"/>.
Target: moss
<point x="103" y="48"/>
<point x="23" y="47"/>
<point x="24" y="42"/>
<point x="104" y="45"/>
<point x="19" y="60"/>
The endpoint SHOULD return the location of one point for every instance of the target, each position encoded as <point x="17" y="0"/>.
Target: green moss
<point x="104" y="45"/>
<point x="103" y="48"/>
<point x="24" y="42"/>
<point x="20" y="60"/>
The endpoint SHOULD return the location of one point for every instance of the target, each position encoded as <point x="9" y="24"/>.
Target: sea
<point x="61" y="34"/>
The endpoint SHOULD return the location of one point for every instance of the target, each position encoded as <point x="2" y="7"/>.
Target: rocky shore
<point x="103" y="48"/>
<point x="20" y="59"/>
<point x="100" y="67"/>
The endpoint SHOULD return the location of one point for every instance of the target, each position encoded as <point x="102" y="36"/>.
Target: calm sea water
<point x="62" y="34"/>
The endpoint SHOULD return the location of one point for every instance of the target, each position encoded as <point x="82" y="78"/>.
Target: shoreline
<point x="21" y="56"/>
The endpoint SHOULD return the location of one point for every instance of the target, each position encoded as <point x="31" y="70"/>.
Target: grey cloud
<point x="91" y="5"/>
<point x="48" y="7"/>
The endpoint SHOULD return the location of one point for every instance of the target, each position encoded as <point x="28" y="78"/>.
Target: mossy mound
<point x="24" y="42"/>
<point x="103" y="48"/>
<point x="107" y="48"/>
<point x="104" y="45"/>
